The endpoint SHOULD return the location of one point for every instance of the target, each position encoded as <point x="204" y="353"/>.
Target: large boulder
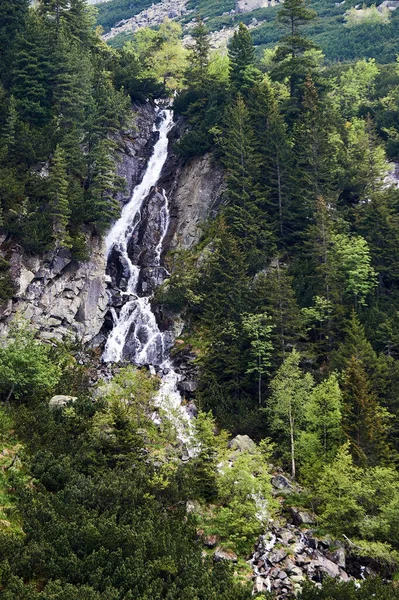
<point x="281" y="483"/>
<point x="60" y="401"/>
<point x="302" y="517"/>
<point x="228" y="555"/>
<point x="243" y="443"/>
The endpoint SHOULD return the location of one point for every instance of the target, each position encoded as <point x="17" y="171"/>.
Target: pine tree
<point x="59" y="206"/>
<point x="197" y="76"/>
<point x="102" y="206"/>
<point x="241" y="55"/>
<point x="291" y="59"/>
<point x="365" y="422"/>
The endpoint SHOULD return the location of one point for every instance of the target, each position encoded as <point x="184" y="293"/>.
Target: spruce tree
<point x="245" y="213"/>
<point x="197" y="76"/>
<point x="102" y="206"/>
<point x="273" y="293"/>
<point x="54" y="11"/>
<point x="12" y="23"/>
<point x="9" y="130"/>
<point x="59" y="206"/>
<point x="31" y="82"/>
<point x="290" y="58"/>
<point x="273" y="145"/>
<point x="241" y="55"/>
<point x="316" y="152"/>
<point x="258" y="328"/>
<point x="365" y="422"/>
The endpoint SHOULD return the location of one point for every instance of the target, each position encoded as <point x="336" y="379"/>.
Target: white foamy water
<point x="136" y="319"/>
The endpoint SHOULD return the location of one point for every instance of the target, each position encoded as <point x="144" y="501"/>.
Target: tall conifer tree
<point x="59" y="206"/>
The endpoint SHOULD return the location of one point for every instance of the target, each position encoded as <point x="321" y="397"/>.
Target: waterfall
<point x="136" y="318"/>
<point x="135" y="326"/>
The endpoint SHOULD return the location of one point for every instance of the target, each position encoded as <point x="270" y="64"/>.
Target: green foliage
<point x="360" y="503"/>
<point x="99" y="521"/>
<point x="27" y="365"/>
<point x="57" y="167"/>
<point x="242" y="502"/>
<point x="367" y="16"/>
<point x="286" y="405"/>
<point x="7" y="287"/>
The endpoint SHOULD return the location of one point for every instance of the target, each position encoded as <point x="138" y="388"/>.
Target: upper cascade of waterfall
<point x="136" y="325"/>
<point x="124" y="227"/>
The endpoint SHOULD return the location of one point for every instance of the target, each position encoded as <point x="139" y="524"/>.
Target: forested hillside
<point x="285" y="314"/>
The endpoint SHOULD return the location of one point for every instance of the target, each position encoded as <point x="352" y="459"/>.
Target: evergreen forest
<point x="290" y="305"/>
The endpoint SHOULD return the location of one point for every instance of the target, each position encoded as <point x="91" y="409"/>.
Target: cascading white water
<point x="136" y="323"/>
<point x="136" y="317"/>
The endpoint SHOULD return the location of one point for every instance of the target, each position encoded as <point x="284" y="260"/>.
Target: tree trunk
<point x="293" y="471"/>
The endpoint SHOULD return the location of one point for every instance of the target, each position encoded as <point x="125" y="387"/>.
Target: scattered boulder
<point x="192" y="506"/>
<point x="229" y="555"/>
<point x="210" y="541"/>
<point x="277" y="555"/>
<point x="338" y="556"/>
<point x="281" y="483"/>
<point x="302" y="517"/>
<point x="243" y="443"/>
<point x="286" y="556"/>
<point x="192" y="409"/>
<point x="324" y="565"/>
<point x="61" y="401"/>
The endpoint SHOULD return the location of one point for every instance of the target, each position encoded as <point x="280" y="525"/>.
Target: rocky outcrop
<point x="150" y="17"/>
<point x="57" y="294"/>
<point x="286" y="556"/>
<point x="243" y="6"/>
<point x="61" y="401"/>
<point x="195" y="193"/>
<point x="135" y="147"/>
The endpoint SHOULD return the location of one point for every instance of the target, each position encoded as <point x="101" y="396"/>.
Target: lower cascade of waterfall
<point x="135" y="332"/>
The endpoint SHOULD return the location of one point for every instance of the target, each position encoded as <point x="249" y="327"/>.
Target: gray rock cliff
<point x="60" y="295"/>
